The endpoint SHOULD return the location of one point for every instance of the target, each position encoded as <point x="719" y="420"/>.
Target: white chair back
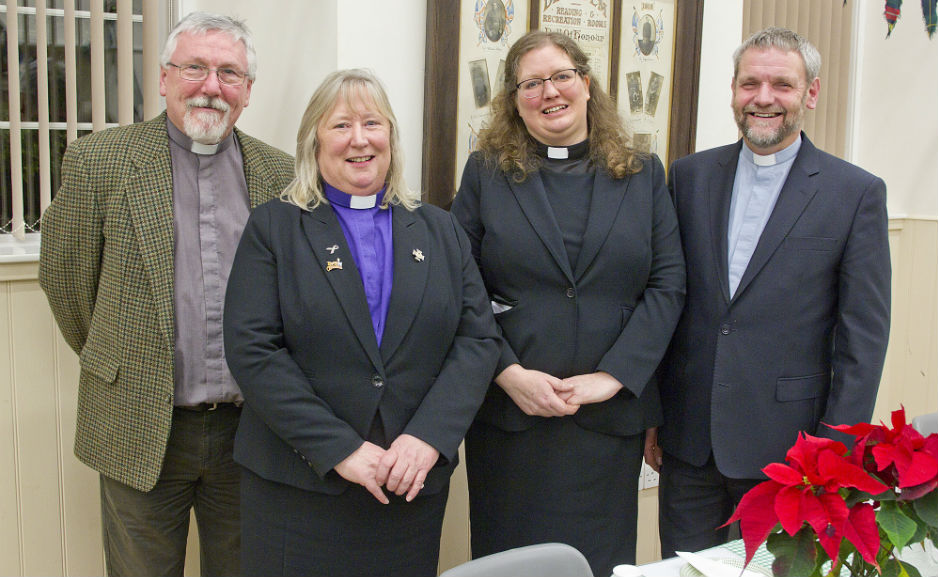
<point x="553" y="559"/>
<point x="926" y="424"/>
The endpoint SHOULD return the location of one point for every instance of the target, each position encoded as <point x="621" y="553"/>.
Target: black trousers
<point x="692" y="504"/>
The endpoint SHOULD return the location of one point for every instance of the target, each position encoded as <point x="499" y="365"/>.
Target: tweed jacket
<point x="106" y="266"/>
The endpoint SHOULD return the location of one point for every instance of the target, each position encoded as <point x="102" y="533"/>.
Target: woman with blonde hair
<point x="358" y="329"/>
<point x="577" y="242"/>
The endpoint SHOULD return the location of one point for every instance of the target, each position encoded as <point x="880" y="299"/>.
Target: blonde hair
<point x="306" y="190"/>
<point x="506" y="139"/>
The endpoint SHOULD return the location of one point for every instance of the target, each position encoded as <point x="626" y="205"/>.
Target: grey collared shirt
<point x="210" y="209"/>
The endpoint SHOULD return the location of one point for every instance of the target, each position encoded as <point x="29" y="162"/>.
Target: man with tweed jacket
<point x="135" y="256"/>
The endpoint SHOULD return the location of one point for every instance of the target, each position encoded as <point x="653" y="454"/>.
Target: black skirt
<point x="289" y="531"/>
<point x="554" y="482"/>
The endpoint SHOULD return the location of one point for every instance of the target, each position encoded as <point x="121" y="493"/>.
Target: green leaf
<point x="926" y="507"/>
<point x="794" y="555"/>
<point x="898" y="527"/>
<point x="921" y="531"/>
<point x="895" y="568"/>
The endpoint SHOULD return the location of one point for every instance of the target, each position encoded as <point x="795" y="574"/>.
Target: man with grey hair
<point x="786" y="318"/>
<point x="136" y="250"/>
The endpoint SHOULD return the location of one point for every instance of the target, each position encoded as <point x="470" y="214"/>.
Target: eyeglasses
<point x="534" y="87"/>
<point x="198" y="73"/>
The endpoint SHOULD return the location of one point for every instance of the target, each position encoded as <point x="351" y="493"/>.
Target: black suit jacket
<point x="614" y="313"/>
<point x="300" y="342"/>
<point x="803" y="340"/>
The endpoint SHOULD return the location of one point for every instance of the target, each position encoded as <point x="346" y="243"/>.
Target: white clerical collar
<point x="763" y="159"/>
<point x="206" y="149"/>
<point x="783" y="155"/>
<point x="362" y="202"/>
<point x="561" y="152"/>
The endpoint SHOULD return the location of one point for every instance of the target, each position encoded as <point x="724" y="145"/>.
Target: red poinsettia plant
<point x="854" y="508"/>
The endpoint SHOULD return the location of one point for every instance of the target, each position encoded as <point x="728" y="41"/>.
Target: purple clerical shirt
<point x="367" y="229"/>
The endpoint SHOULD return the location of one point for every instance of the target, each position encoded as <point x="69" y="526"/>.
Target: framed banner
<point x="591" y="23"/>
<point x="647" y="52"/>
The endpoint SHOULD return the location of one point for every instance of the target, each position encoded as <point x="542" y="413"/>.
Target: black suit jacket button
<point x="725" y="329"/>
<point x="571" y="293"/>
<point x="377" y="381"/>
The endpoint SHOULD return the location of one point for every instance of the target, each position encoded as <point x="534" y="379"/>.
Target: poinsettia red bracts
<point x="807" y="491"/>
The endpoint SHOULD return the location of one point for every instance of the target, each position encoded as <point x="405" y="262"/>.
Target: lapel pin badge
<point x="332" y="248"/>
<point x="334" y="264"/>
<point x="418" y="255"/>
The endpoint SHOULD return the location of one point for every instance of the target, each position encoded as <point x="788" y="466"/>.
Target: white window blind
<point x="67" y="68"/>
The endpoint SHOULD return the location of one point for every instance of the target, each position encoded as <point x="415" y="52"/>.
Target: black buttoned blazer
<point x="300" y="341"/>
<point x="615" y="312"/>
<point x="803" y="340"/>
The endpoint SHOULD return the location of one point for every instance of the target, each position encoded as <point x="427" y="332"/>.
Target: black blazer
<point x="803" y="340"/>
<point x="300" y="342"/>
<point x="614" y="313"/>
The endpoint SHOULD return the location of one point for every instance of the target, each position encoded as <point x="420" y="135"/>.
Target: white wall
<point x="390" y="40"/>
<point x="895" y="122"/>
<point x="299" y="42"/>
<point x="722" y="33"/>
<point x="296" y="48"/>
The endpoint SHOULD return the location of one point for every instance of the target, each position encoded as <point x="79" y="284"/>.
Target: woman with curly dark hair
<point x="578" y="245"/>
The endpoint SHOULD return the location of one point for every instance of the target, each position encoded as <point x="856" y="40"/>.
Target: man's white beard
<point x="206" y="127"/>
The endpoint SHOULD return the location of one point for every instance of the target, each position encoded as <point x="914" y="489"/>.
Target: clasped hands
<point x="543" y="395"/>
<point x="401" y="469"/>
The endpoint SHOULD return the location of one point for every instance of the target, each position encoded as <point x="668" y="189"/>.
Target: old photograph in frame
<point x="646" y="68"/>
<point x="487" y="29"/>
<point x="467" y="41"/>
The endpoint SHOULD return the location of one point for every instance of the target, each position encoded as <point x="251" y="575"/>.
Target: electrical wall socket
<point x="650" y="477"/>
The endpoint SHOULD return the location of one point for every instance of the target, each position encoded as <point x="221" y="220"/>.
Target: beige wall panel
<point x="916" y="366"/>
<point x="10" y="544"/>
<point x="454" y="544"/>
<point x="910" y="377"/>
<point x="648" y="548"/>
<point x="81" y="512"/>
<point x="37" y="447"/>
<point x="192" y="568"/>
<point x="901" y="277"/>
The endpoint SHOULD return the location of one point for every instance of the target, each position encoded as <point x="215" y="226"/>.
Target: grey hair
<point x="204" y="22"/>
<point x="785" y="40"/>
<point x="306" y="191"/>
